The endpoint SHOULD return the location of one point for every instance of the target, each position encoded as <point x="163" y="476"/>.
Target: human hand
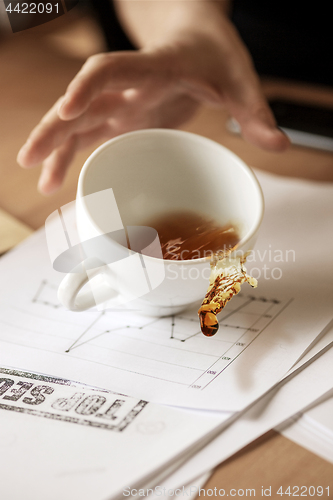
<point x="161" y="87"/>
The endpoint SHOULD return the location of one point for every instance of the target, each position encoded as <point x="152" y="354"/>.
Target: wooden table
<point x="36" y="66"/>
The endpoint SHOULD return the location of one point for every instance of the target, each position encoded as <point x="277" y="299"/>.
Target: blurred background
<point x="37" y="64"/>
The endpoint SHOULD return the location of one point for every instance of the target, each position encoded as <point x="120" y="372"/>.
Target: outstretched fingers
<point x="98" y="92"/>
<point x="55" y="167"/>
<point x="246" y="102"/>
<point x="260" y="130"/>
<point x="106" y="72"/>
<point x="58" y="162"/>
<point x="52" y="132"/>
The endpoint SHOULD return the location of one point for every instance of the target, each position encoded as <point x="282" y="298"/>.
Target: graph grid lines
<point x="172" y="348"/>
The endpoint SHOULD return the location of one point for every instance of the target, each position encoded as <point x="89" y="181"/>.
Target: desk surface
<point x="36" y="67"/>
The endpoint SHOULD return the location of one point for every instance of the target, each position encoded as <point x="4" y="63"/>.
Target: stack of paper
<point x="271" y="359"/>
<point x="313" y="429"/>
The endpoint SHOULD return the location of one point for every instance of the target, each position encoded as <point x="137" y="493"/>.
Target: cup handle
<point x="70" y="292"/>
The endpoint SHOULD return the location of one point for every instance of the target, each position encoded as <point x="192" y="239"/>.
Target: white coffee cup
<point x="150" y="173"/>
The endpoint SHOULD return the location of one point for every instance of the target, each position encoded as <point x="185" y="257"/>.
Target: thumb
<point x="246" y="102"/>
<point x="258" y="126"/>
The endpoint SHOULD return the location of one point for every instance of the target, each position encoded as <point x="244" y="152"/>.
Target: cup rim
<point x="171" y="132"/>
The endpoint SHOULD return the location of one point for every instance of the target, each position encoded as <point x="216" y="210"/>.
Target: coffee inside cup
<point x="186" y="235"/>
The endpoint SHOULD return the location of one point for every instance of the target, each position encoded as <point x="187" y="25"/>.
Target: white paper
<point x="323" y="344"/>
<point x="188" y="491"/>
<point x="263" y="332"/>
<point x="49" y="436"/>
<point x="324" y="341"/>
<point x="297" y="228"/>
<point x="322" y="414"/>
<point x="66" y="440"/>
<point x="313" y="429"/>
<point x="287" y="399"/>
<point x="35" y="330"/>
<point x="164" y="360"/>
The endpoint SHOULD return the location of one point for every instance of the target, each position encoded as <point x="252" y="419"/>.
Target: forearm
<point x="154" y="23"/>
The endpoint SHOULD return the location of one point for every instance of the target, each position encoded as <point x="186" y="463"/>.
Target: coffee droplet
<point x="209" y="324"/>
<point x="208" y="320"/>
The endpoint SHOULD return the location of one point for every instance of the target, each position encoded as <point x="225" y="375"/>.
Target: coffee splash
<point x="187" y="235"/>
<point x="227" y="276"/>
